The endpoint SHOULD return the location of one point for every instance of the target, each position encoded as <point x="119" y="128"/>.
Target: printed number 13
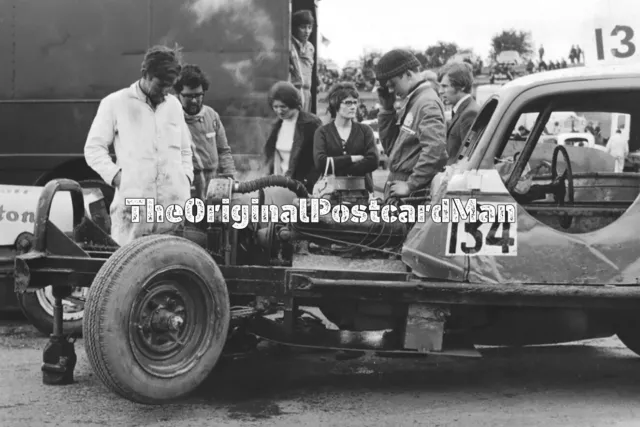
<point x="630" y="47"/>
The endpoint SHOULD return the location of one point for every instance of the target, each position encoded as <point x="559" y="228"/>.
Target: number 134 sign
<point x="615" y="35"/>
<point x="482" y="238"/>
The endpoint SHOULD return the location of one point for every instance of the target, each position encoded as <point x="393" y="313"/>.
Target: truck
<point x="497" y="252"/>
<point x="62" y="57"/>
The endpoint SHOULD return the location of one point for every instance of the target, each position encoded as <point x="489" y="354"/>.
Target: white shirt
<point x="152" y="147"/>
<point x="618" y="146"/>
<point x="284" y="144"/>
<point x="464" y="98"/>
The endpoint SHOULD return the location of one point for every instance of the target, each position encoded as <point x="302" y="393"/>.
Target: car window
<point x="560" y="162"/>
<point x="587" y="130"/>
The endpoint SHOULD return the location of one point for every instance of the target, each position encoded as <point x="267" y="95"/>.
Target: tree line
<point x="437" y="55"/>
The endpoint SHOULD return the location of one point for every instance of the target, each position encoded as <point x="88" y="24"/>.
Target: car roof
<point x="573" y="74"/>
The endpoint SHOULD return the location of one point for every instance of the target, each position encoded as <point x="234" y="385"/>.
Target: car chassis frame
<point x="53" y="258"/>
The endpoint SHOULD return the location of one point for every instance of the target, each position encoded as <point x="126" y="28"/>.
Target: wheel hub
<point x="164" y="320"/>
<point x="169" y="322"/>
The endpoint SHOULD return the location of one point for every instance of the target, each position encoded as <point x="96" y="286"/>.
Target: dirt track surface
<point x="595" y="383"/>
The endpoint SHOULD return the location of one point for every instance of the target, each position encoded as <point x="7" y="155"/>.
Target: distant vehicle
<point x="508" y="65"/>
<point x="584" y="139"/>
<point x="574" y="139"/>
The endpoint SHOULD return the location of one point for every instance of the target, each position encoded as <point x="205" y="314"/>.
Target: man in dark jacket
<point x="414" y="137"/>
<point x="455" y="90"/>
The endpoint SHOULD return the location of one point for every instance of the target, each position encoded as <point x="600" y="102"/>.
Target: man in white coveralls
<point x="152" y="144"/>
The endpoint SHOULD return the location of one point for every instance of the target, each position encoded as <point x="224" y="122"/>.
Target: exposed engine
<point x="319" y="243"/>
<point x="322" y="231"/>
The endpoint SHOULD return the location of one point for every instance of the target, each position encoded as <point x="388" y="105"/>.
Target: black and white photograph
<point x="319" y="213"/>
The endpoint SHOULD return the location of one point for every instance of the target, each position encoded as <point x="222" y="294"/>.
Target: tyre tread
<point x="95" y="315"/>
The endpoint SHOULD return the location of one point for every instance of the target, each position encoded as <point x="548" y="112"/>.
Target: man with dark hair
<point x="301" y="55"/>
<point x="414" y="137"/>
<point x="455" y="90"/>
<point x="211" y="151"/>
<point x="152" y="144"/>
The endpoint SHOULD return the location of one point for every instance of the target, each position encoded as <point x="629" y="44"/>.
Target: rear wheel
<point x="156" y="319"/>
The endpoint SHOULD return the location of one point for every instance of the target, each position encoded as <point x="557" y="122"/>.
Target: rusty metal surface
<point x="544" y="255"/>
<point x="424" y="330"/>
<point x="333" y="262"/>
<point x="601" y="187"/>
<point x="92" y="48"/>
<point x="385" y="340"/>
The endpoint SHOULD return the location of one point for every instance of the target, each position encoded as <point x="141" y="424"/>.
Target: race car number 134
<point x="482" y="238"/>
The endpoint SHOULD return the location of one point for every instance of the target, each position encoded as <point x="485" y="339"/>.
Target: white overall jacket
<point x="153" y="150"/>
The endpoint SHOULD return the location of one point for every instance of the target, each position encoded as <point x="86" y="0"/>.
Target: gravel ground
<point x="592" y="383"/>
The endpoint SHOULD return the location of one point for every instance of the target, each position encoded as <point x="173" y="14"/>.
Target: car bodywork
<point x="544" y="254"/>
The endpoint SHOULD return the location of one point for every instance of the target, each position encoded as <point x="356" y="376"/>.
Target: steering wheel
<point x="565" y="221"/>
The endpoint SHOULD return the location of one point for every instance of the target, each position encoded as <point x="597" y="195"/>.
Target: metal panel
<point x="69" y="54"/>
<point x="68" y="49"/>
<point x="7" y="14"/>
<point x="242" y="45"/>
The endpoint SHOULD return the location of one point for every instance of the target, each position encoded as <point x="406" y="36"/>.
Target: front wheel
<point x="156" y="319"/>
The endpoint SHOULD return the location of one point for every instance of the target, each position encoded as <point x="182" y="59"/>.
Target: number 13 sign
<point x="615" y="36"/>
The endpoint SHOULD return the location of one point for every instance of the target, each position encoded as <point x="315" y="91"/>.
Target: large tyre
<point x="175" y="283"/>
<point x="38" y="309"/>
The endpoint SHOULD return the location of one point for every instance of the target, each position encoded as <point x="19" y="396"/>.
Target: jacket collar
<point x="298" y="43"/>
<point x="303" y="118"/>
<point x="460" y="103"/>
<point x="193" y="118"/>
<point x="419" y="89"/>
<point x="136" y="92"/>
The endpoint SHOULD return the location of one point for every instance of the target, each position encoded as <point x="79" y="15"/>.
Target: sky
<point x="353" y="26"/>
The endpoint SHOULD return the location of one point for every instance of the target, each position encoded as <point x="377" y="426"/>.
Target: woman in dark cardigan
<point x="351" y="144"/>
<point x="289" y="147"/>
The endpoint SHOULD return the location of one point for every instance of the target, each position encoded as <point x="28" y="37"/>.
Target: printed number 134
<point x="505" y="241"/>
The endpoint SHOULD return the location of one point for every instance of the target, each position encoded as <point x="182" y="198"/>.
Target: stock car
<point x="162" y="310"/>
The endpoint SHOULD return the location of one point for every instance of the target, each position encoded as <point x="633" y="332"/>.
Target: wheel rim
<point x="72" y="308"/>
<point x="171" y="322"/>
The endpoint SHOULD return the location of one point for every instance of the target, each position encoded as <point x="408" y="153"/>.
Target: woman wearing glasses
<point x="350" y="144"/>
